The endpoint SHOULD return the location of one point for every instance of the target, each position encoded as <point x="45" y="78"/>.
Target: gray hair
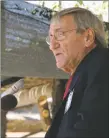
<point x="85" y="19"/>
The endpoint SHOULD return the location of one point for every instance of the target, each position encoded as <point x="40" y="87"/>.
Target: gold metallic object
<point x="44" y="111"/>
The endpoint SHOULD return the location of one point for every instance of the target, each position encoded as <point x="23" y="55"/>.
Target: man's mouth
<point x="57" y="54"/>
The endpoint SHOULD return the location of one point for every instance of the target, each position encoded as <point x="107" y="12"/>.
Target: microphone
<point x="14" y="88"/>
<point x="8" y="102"/>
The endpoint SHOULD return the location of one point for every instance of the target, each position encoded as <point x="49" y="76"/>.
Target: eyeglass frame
<point x="56" y="38"/>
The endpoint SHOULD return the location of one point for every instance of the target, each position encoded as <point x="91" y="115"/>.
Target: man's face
<point x="69" y="50"/>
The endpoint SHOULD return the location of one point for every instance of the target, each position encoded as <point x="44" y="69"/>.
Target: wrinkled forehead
<point x="63" y="23"/>
<point x="56" y="25"/>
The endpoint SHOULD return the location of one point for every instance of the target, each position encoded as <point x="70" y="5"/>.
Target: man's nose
<point x="53" y="44"/>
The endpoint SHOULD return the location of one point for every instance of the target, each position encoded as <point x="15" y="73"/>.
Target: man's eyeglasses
<point x="59" y="36"/>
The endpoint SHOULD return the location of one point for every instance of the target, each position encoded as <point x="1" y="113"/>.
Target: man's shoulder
<point x="99" y="62"/>
<point x="94" y="61"/>
<point x="95" y="58"/>
<point x="101" y="56"/>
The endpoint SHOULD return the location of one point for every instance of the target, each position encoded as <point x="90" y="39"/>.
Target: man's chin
<point x="62" y="67"/>
<point x="59" y="66"/>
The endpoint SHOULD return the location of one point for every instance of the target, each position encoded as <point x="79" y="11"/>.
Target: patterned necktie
<point x="67" y="87"/>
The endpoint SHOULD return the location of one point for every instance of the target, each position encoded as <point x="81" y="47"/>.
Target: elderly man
<point x="77" y="41"/>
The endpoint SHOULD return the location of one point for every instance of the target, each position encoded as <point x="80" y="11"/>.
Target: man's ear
<point x="89" y="37"/>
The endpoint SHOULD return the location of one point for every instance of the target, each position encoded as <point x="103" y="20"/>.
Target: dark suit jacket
<point x="88" y="112"/>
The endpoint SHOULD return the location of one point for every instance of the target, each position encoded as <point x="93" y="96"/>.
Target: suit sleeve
<point x="93" y="111"/>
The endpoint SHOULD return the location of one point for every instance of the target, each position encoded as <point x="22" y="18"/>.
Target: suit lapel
<point x="71" y="93"/>
<point x="61" y="109"/>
